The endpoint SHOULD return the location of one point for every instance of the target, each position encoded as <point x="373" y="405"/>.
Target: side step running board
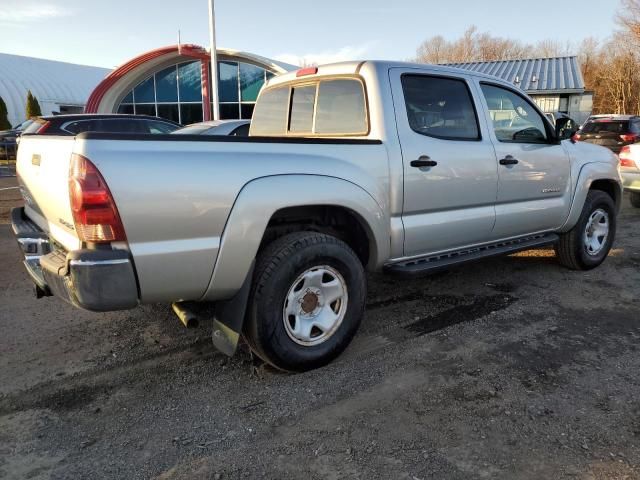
<point x="425" y="265"/>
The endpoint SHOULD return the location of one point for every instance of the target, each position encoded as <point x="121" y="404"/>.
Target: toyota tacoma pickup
<point x="349" y="167"/>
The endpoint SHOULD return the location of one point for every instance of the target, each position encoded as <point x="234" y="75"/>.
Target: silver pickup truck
<point x="349" y="167"/>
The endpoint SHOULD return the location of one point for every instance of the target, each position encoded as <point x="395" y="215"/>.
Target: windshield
<point x="23" y="125"/>
<point x="197" y="129"/>
<point x="34" y="125"/>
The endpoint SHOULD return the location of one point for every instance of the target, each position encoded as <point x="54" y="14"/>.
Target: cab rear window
<point x="330" y="107"/>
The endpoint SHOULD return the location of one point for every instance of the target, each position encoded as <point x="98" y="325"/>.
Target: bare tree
<point x="495" y="48"/>
<point x="611" y="69"/>
<point x="472" y="46"/>
<point x="433" y="50"/>
<point x="628" y="18"/>
<point x="552" y="48"/>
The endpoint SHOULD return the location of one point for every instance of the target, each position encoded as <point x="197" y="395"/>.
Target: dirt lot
<point x="9" y="194"/>
<point x="512" y="368"/>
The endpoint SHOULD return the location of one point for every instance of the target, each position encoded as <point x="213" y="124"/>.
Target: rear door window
<point x="118" y="125"/>
<point x="440" y="107"/>
<point x="78" y="126"/>
<point x="241" y="131"/>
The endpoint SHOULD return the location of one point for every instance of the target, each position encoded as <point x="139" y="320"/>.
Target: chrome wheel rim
<point x="315" y="305"/>
<point x="596" y="232"/>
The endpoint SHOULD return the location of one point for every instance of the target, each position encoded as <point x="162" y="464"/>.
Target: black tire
<point x="571" y="250"/>
<point x="635" y="199"/>
<point x="277" y="268"/>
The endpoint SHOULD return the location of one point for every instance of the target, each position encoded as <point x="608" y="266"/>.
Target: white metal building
<point x="59" y="86"/>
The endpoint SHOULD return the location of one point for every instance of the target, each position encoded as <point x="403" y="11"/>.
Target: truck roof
<point x="354" y="66"/>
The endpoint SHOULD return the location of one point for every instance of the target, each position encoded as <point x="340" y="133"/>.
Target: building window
<point x="175" y="93"/>
<point x="166" y="81"/>
<point x="190" y="82"/>
<point x="238" y="87"/>
<point x="547" y="103"/>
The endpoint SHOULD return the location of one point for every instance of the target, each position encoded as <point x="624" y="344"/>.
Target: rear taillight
<point x="631" y="137"/>
<point x="576" y="137"/>
<point x="45" y="126"/>
<point x="94" y="212"/>
<point x="625" y="158"/>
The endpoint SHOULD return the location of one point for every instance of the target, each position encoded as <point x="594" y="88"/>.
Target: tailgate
<point x="43" y="174"/>
<point x="613" y="142"/>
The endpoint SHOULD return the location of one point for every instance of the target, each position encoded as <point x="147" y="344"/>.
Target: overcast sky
<point x="108" y="32"/>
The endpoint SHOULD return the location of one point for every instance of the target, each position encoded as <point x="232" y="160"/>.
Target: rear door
<point x="450" y="174"/>
<point x="534" y="185"/>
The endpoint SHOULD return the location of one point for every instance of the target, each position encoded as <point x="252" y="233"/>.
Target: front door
<point x="534" y="188"/>
<point x="450" y="172"/>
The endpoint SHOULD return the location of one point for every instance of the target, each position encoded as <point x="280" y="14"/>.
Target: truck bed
<point x="174" y="193"/>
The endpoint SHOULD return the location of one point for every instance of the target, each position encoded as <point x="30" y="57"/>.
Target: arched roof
<point x="110" y="91"/>
<point x="53" y="83"/>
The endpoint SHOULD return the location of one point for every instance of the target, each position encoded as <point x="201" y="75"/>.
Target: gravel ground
<point x="509" y="368"/>
<point x="9" y="195"/>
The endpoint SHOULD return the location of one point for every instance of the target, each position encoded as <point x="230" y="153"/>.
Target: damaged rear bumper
<point x="98" y="280"/>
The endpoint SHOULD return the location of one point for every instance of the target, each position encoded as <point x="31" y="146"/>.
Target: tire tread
<point x="568" y="248"/>
<point x="268" y="261"/>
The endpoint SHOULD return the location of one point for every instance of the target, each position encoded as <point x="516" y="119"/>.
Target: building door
<point x="450" y="174"/>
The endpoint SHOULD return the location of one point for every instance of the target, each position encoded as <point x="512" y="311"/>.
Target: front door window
<point x="515" y="120"/>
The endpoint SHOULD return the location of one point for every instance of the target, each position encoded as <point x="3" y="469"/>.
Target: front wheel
<point x="635" y="199"/>
<point x="306" y="302"/>
<point x="587" y="244"/>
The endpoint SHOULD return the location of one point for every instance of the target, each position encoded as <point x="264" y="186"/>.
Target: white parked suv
<point x="396" y="167"/>
<point x="630" y="171"/>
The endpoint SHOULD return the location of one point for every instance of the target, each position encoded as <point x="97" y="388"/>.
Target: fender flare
<point x="259" y="199"/>
<point x="589" y="173"/>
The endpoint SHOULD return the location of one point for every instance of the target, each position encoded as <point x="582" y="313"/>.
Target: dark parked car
<point x="613" y="132"/>
<point x="112" y="123"/>
<point x="8" y="140"/>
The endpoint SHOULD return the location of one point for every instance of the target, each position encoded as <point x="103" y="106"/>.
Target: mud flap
<point x="229" y="318"/>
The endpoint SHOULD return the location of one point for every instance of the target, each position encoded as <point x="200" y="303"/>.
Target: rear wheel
<point x="587" y="244"/>
<point x="635" y="199"/>
<point x="307" y="300"/>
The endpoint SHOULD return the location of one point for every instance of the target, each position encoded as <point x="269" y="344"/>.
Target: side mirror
<point x="563" y="130"/>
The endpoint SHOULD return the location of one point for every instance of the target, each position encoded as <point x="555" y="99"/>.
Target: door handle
<point x="508" y="160"/>
<point x="423" y="161"/>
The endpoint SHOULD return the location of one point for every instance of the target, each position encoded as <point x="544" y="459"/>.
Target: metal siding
<point x="553" y="74"/>
<point x="547" y="75"/>
<point x="53" y="83"/>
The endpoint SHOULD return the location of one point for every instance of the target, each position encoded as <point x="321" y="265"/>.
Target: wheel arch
<point x="610" y="187"/>
<point x="593" y="176"/>
<point x="337" y="220"/>
<point x="265" y="201"/>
